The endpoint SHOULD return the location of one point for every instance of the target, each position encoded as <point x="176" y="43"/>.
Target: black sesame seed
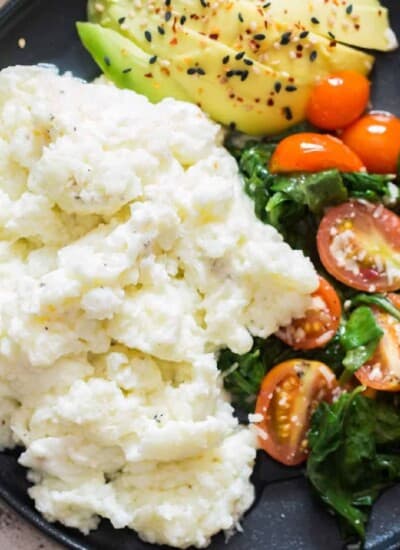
<point x="204" y="3"/>
<point x="127" y="70"/>
<point x="244" y="75"/>
<point x="153" y="59"/>
<point x="259" y="37"/>
<point x="167" y="3"/>
<point x="229" y="74"/>
<point x="161" y="30"/>
<point x="267" y="5"/>
<point x="285" y="38"/>
<point x="287" y="111"/>
<point x="232" y="126"/>
<point x="183" y="19"/>
<point x="277" y="87"/>
<point x="167" y="16"/>
<point x="248" y="62"/>
<point x="349" y="9"/>
<point x="313" y="55"/>
<point x="314" y="21"/>
<point x="225" y="60"/>
<point x="201" y="71"/>
<point x="147" y="35"/>
<point x="121" y="20"/>
<point x="240" y="55"/>
<point x="291" y="88"/>
<point x="107" y="61"/>
<point x="240" y="17"/>
<point x="304" y="34"/>
<point x="331" y="35"/>
<point x="192" y="70"/>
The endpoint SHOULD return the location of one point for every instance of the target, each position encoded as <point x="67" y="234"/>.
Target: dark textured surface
<point x="285" y="516"/>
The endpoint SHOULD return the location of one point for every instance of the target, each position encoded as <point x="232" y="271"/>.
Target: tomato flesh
<point x="375" y="138"/>
<point x="288" y="397"/>
<point x="382" y="371"/>
<point x="359" y="244"/>
<point x="320" y="323"/>
<point x="309" y="152"/>
<point x="348" y="89"/>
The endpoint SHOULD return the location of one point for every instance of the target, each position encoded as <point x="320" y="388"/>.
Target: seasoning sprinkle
<point x="240" y="55"/>
<point x="287" y="111"/>
<point x="304" y="34"/>
<point x="314" y="21"/>
<point x="248" y="62"/>
<point x="240" y="17"/>
<point x="183" y="20"/>
<point x="107" y="61"/>
<point x="225" y="60"/>
<point x="167" y="16"/>
<point x="259" y="37"/>
<point x="147" y="35"/>
<point x="127" y="70"/>
<point x="349" y="9"/>
<point x="161" y="30"/>
<point x="121" y="20"/>
<point x="313" y="56"/>
<point x="291" y="88"/>
<point x="285" y="38"/>
<point x="153" y="59"/>
<point x="277" y="87"/>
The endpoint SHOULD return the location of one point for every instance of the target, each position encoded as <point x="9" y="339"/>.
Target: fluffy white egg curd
<point x="129" y="256"/>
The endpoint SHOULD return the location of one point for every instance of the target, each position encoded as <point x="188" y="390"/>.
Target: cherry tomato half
<point x="382" y="372"/>
<point x="289" y="395"/>
<point x="309" y="152"/>
<point x="376" y="140"/>
<point x="359" y="244"/>
<point x="320" y="323"/>
<point x="338" y="100"/>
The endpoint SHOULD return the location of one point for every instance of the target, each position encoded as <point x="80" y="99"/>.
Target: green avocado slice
<point x="127" y="65"/>
<point x="244" y="26"/>
<point x="247" y="96"/>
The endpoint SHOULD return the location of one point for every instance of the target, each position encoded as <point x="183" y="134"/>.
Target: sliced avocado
<point x="238" y="25"/>
<point x="361" y="23"/>
<point x="126" y="64"/>
<point x="248" y="100"/>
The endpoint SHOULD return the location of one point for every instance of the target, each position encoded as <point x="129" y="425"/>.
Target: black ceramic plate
<point x="285" y="515"/>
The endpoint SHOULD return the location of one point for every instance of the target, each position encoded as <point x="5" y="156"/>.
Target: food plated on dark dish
<point x="208" y="231"/>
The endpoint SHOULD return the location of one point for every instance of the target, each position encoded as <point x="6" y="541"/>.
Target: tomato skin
<point x="338" y="100"/>
<point x="311" y="335"/>
<point x="309" y="152"/>
<point x="374" y="234"/>
<point x="375" y="138"/>
<point x="288" y="397"/>
<point x="382" y="371"/>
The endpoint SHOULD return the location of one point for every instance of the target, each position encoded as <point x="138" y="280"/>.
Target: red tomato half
<point x="338" y="100"/>
<point x="320" y="323"/>
<point x="308" y="152"/>
<point x="359" y="244"/>
<point x="289" y="395"/>
<point x="382" y="372"/>
<point x="376" y="140"/>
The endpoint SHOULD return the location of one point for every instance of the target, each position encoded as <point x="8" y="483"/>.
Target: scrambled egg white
<point x="129" y="255"/>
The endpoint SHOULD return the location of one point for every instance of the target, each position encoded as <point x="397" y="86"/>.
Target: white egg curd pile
<point x="129" y="256"/>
